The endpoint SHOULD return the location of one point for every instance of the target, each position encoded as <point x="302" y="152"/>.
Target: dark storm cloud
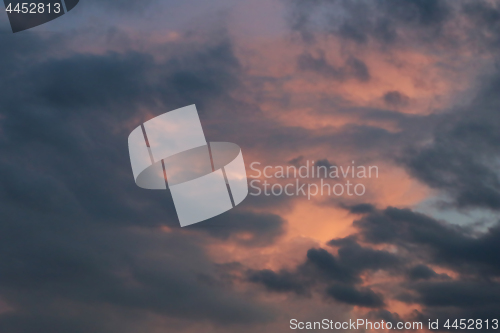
<point x="334" y="276"/>
<point x="126" y="270"/>
<point x="461" y="294"/>
<point x="360" y="258"/>
<point x="328" y="266"/>
<point x="319" y="266"/>
<point x="282" y="281"/>
<point x="418" y="241"/>
<point x="360" y="297"/>
<point x="69" y="106"/>
<point x="462" y="159"/>
<point x="20" y="45"/>
<point x="456" y="247"/>
<point x="419" y="238"/>
<point x="304" y="280"/>
<point x="455" y="300"/>
<point x="80" y="242"/>
<point x="421" y="272"/>
<point x="386" y="21"/>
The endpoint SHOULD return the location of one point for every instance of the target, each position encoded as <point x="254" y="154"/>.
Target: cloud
<point x="421" y="12"/>
<point x="486" y="17"/>
<point x="445" y="244"/>
<point x="359" y="258"/>
<point x="469" y="254"/>
<point x="385" y="21"/>
<point x="282" y="281"/>
<point x="83" y="249"/>
<point x="333" y="276"/>
<point x="417" y="241"/>
<point x="79" y="241"/>
<point x="329" y="267"/>
<point x="421" y="272"/>
<point x="462" y="160"/>
<point x="353" y="67"/>
<point x="349" y="295"/>
<point x="396" y="99"/>
<point x="461" y="294"/>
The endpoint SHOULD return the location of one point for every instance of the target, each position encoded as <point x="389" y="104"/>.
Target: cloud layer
<point x="409" y="86"/>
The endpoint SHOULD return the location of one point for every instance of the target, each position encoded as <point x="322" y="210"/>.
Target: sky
<point x="412" y="87"/>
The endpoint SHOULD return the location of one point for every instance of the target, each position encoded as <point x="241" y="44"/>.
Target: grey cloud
<point x="462" y="294"/>
<point x="486" y="16"/>
<point x="421" y="12"/>
<point x="468" y="253"/>
<point x="421" y="272"/>
<point x="282" y="281"/>
<point x="328" y="266"/>
<point x="359" y="258"/>
<point x="386" y="21"/>
<point x="79" y="241"/>
<point x="352" y="68"/>
<point x="445" y="244"/>
<point x="462" y="158"/>
<point x="361" y="297"/>
<point x="81" y="244"/>
<point x="395" y="98"/>
<point x="333" y="276"/>
<point x="324" y="163"/>
<point x="417" y="241"/>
